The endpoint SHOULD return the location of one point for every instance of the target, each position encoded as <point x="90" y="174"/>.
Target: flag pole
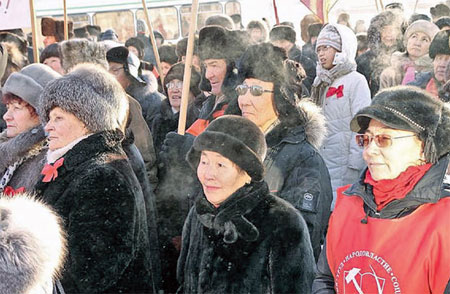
<point x="276" y="12"/>
<point x="66" y="30"/>
<point x="153" y="41"/>
<point x="34" y="30"/>
<point x="188" y="69"/>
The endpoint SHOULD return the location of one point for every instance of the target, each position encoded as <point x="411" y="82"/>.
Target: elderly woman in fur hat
<point x="88" y="180"/>
<point x="293" y="129"/>
<point x="389" y="231"/>
<point x="238" y="238"/>
<point x="22" y="143"/>
<point x="404" y="65"/>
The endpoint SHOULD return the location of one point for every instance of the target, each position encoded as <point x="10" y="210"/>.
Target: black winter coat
<point x="432" y="187"/>
<point x="252" y="243"/>
<point x="296" y="172"/>
<point x="102" y="206"/>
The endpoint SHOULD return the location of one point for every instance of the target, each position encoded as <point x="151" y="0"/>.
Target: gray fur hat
<point x="29" y="82"/>
<point x="411" y="109"/>
<point x="78" y="51"/>
<point x="235" y="138"/>
<point x="91" y="94"/>
<point x="3" y="59"/>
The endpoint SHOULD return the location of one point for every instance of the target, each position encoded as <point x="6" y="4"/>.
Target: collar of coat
<point x="430" y="189"/>
<point x="229" y="219"/>
<point x="93" y="146"/>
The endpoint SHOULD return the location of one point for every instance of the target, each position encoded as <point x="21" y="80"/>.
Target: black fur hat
<point x="440" y="44"/>
<point x="176" y="71"/>
<point x="167" y="53"/>
<point x="442" y="22"/>
<point x="235" y="138"/>
<point x="411" y="109"/>
<point x="282" y="32"/>
<point x="182" y="47"/>
<point x="213" y="43"/>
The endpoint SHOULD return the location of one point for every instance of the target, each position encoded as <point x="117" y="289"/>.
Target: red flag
<point x="317" y="7"/>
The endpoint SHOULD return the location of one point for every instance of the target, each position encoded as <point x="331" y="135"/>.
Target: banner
<point x="14" y="14"/>
<point x="318" y="7"/>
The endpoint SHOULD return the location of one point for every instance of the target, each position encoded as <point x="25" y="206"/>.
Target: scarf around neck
<point x="325" y="78"/>
<point x="385" y="191"/>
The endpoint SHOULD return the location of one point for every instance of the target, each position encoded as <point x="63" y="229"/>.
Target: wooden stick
<point x="153" y="41"/>
<point x="415" y="6"/>
<point x="276" y="12"/>
<point x="187" y="69"/>
<point x="376" y="4"/>
<point x="66" y="30"/>
<point x="34" y="32"/>
<point x="382" y="5"/>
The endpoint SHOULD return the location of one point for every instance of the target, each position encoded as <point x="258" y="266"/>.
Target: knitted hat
<point x="136" y="43"/>
<point x="411" y="109"/>
<point x="423" y="26"/>
<point x="141" y="27"/>
<point x="282" y="32"/>
<point x="329" y="36"/>
<point x="78" y="51"/>
<point x="29" y="82"/>
<point x="440" y="44"/>
<point x="130" y="62"/>
<point x="176" y="72"/>
<point x="91" y="94"/>
<point x="236" y="138"/>
<point x="168" y="54"/>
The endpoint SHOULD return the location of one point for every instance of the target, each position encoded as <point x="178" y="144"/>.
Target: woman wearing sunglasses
<point x="389" y="232"/>
<point x="294" y="130"/>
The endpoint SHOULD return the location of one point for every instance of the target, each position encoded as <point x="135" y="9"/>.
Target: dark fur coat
<point x="252" y="243"/>
<point x="100" y="200"/>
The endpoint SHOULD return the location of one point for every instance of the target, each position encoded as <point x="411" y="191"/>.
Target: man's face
<point x="285" y="44"/>
<point x="118" y="71"/>
<point x="389" y="35"/>
<point x="439" y="65"/>
<point x="216" y="70"/>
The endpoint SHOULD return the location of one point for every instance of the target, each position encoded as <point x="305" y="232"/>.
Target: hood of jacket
<point x="309" y="122"/>
<point x="433" y="186"/>
<point x="31" y="257"/>
<point x="349" y="45"/>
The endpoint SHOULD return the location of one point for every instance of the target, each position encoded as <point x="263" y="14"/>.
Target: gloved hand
<point x="175" y="148"/>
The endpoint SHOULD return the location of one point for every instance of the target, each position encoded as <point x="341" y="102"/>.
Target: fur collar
<point x="229" y="219"/>
<point x="12" y="149"/>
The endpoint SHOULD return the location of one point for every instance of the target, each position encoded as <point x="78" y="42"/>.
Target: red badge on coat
<point x="50" y="172"/>
<point x="339" y="91"/>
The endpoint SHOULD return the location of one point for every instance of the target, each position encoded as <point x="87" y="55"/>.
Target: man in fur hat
<point x="283" y="36"/>
<point x="53" y="30"/>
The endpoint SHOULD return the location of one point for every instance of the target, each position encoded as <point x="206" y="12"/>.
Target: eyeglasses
<point x="381" y="140"/>
<point x="172" y="85"/>
<point x="115" y="71"/>
<point x="255" y="90"/>
<point x="322" y="48"/>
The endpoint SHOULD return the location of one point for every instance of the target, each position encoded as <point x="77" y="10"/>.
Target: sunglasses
<point x="381" y="141"/>
<point x="254" y="90"/>
<point x="172" y="85"/>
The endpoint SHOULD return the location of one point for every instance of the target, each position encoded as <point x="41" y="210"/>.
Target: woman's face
<point x="418" y="45"/>
<point x="325" y="55"/>
<point x="386" y="163"/>
<point x="219" y="177"/>
<point x="259" y="109"/>
<point x="18" y="118"/>
<point x="63" y="128"/>
<point x="55" y="64"/>
<point x="389" y="35"/>
<point x="174" y="90"/>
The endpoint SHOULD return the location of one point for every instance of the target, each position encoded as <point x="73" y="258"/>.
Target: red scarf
<point x="387" y="190"/>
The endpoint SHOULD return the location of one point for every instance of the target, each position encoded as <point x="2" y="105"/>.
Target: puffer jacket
<point x="252" y="243"/>
<point x="296" y="172"/>
<point x="431" y="189"/>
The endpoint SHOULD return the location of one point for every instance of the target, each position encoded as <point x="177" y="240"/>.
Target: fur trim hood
<point x="377" y="23"/>
<point x="313" y="122"/>
<point x="32" y="245"/>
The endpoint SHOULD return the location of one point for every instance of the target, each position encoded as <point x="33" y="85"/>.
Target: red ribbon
<point x="339" y="91"/>
<point x="10" y="191"/>
<point x="50" y="172"/>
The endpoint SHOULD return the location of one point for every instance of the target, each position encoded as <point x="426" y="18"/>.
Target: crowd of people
<point x="313" y="169"/>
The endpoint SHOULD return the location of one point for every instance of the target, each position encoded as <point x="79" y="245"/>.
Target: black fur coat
<point x="252" y="243"/>
<point x="100" y="200"/>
